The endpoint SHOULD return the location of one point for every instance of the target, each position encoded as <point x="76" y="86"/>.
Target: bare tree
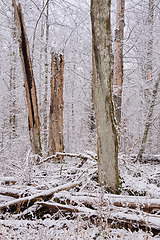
<point x="149" y="120"/>
<point x="150" y="39"/>
<point x="149" y="78"/>
<point x="106" y="131"/>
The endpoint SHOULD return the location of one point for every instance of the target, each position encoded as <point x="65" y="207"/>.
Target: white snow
<point x="46" y="179"/>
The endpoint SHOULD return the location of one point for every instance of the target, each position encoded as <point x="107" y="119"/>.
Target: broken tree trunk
<point x="56" y="105"/>
<point x="29" y="83"/>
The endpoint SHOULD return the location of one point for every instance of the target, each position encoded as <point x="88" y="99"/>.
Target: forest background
<point x="65" y="27"/>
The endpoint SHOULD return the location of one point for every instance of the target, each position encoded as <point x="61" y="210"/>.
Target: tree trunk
<point x="148" y="69"/>
<point x="12" y="83"/>
<point x="34" y="124"/>
<point x="118" y="59"/>
<point x="45" y="117"/>
<point x="149" y="120"/>
<point x="150" y="39"/>
<point x="40" y="61"/>
<point x="56" y="105"/>
<point x="106" y="132"/>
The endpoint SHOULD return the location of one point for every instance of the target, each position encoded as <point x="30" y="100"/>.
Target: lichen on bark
<point x="106" y="131"/>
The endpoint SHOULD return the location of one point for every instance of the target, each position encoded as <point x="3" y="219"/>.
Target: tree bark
<point x="29" y="83"/>
<point x="118" y="59"/>
<point x="12" y="85"/>
<point x="106" y="132"/>
<point x="149" y="120"/>
<point x="150" y="39"/>
<point x="45" y="104"/>
<point x="56" y="105"/>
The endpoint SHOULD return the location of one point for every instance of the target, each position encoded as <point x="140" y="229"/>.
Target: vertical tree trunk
<point x="40" y="61"/>
<point x="56" y="105"/>
<point x="45" y="117"/>
<point x="118" y="59"/>
<point x="106" y="131"/>
<point x="150" y="39"/>
<point x="148" y="77"/>
<point x="12" y="87"/>
<point x="92" y="117"/>
<point x="34" y="124"/>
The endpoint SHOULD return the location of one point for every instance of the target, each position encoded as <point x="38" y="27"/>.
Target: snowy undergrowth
<point x="63" y="229"/>
<point x="137" y="179"/>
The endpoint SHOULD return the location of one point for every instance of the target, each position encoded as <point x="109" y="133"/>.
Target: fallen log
<point x="114" y="216"/>
<point x="147" y="158"/>
<point x="23" y="203"/>
<point x="146" y="222"/>
<point x="69" y="208"/>
<point x="147" y="205"/>
<point x="10" y="192"/>
<point x="142" y="203"/>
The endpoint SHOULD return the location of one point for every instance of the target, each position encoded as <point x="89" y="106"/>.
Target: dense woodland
<point x="79" y="119"/>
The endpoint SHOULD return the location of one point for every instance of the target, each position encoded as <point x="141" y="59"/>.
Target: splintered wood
<point x="29" y="83"/>
<point x="56" y="105"/>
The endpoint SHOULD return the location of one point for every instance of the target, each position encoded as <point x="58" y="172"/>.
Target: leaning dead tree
<point x="29" y="83"/>
<point x="56" y="105"/>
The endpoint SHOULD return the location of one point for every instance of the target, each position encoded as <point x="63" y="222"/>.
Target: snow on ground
<point x="63" y="229"/>
<point x="140" y="179"/>
<point x="136" y="178"/>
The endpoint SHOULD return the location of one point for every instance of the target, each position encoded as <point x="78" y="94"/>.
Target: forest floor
<point x="90" y="210"/>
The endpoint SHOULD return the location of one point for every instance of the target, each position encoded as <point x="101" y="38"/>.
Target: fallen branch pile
<point x="131" y="212"/>
<point x="23" y="203"/>
<point x="125" y="211"/>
